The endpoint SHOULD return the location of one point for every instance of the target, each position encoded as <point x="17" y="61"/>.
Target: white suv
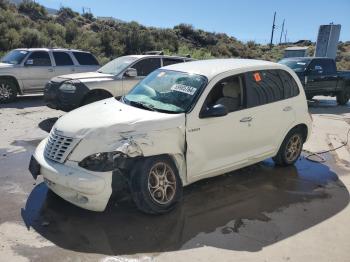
<point x="181" y="124"/>
<point x="27" y="70"/>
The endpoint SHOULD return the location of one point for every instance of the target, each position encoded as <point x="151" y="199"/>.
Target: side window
<point x="327" y="66"/>
<point x="171" y="61"/>
<point x="291" y="88"/>
<point x="227" y="92"/>
<point x="62" y="59"/>
<point x="316" y="67"/>
<point x="263" y="87"/>
<point x="146" y="66"/>
<point x="85" y="58"/>
<point x="39" y="58"/>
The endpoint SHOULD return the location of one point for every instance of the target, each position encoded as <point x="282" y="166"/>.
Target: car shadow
<point x="246" y="210"/>
<point x="26" y="101"/>
<point x="47" y="124"/>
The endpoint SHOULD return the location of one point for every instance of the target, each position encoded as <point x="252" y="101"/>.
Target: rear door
<point x="272" y="114"/>
<point x="86" y="62"/>
<point x="63" y="63"/>
<point x="143" y="67"/>
<point x="37" y="71"/>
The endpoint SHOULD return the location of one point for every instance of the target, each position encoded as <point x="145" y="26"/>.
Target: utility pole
<point x="273" y="29"/>
<point x="282" y="31"/>
<point x="285" y="36"/>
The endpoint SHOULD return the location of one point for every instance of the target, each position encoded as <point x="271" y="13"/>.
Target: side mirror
<point x="214" y="111"/>
<point x="29" y="62"/>
<point x="131" y="72"/>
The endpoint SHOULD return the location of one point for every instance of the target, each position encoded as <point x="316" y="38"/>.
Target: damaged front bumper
<point x="86" y="189"/>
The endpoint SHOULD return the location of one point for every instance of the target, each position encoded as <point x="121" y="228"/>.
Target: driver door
<point x="216" y="144"/>
<point x="143" y="68"/>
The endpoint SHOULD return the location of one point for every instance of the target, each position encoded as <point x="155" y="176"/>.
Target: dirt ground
<point x="259" y="213"/>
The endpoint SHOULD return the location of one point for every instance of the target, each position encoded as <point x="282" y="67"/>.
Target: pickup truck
<point x="27" y="70"/>
<point x="319" y="76"/>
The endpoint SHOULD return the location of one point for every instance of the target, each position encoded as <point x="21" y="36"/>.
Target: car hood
<point x="5" y="65"/>
<point x="111" y="116"/>
<point x="84" y="77"/>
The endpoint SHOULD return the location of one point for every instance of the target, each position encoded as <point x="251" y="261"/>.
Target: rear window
<point x="268" y="86"/>
<point x="62" y="59"/>
<point x="263" y="87"/>
<point x="291" y="88"/>
<point x="85" y="58"/>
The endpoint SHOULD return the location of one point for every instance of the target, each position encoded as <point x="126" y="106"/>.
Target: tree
<point x="33" y="10"/>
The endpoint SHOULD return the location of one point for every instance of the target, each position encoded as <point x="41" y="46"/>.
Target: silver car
<point x="116" y="78"/>
<point x="26" y="71"/>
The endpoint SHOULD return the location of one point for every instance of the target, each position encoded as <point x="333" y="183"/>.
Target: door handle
<point x="246" y="119"/>
<point x="50" y="69"/>
<point x="287" y="108"/>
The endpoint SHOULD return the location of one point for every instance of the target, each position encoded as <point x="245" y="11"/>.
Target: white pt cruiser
<point x="181" y="124"/>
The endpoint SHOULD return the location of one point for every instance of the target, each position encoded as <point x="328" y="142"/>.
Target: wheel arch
<point x="95" y="92"/>
<point x="14" y="79"/>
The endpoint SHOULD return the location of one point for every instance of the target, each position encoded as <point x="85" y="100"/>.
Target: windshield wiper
<point x="142" y="105"/>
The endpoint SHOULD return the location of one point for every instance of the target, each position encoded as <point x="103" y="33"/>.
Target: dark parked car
<point x="319" y="76"/>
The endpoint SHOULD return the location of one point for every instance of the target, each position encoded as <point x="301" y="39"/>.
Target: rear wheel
<point x="290" y="149"/>
<point x="8" y="91"/>
<point x="155" y="185"/>
<point x="343" y="97"/>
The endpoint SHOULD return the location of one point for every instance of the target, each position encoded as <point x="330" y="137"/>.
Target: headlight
<point x="100" y="162"/>
<point x="68" y="87"/>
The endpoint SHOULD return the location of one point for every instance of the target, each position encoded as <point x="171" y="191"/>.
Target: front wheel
<point x="155" y="185"/>
<point x="290" y="149"/>
<point x="8" y="91"/>
<point x="343" y="97"/>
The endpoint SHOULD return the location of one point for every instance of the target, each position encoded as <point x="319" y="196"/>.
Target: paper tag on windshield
<point x="184" y="89"/>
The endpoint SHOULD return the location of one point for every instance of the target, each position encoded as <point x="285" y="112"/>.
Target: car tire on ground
<point x="290" y="149"/>
<point x="95" y="97"/>
<point x="155" y="185"/>
<point x="8" y="91"/>
<point x="343" y="97"/>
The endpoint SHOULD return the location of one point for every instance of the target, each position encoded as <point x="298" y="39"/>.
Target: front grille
<point x="58" y="147"/>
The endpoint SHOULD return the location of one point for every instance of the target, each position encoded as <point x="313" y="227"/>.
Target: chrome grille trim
<point x="58" y="147"/>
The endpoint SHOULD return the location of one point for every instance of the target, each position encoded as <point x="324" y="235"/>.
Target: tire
<point x="343" y="97"/>
<point x="148" y="182"/>
<point x="8" y="91"/>
<point x="91" y="98"/>
<point x="309" y="97"/>
<point x="290" y="149"/>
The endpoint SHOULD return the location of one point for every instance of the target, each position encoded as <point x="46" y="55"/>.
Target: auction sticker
<point x="184" y="89"/>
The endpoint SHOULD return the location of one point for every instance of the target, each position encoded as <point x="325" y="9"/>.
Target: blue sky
<point x="245" y="20"/>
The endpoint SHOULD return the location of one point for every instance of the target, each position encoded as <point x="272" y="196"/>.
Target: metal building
<point x="295" y="51"/>
<point x="327" y="41"/>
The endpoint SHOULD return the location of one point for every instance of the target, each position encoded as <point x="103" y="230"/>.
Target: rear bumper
<point x="89" y="190"/>
<point x="56" y="99"/>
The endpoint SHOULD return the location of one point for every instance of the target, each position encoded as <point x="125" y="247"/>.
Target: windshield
<point x="297" y="65"/>
<point x="166" y="91"/>
<point x="14" y="57"/>
<point x="117" y="65"/>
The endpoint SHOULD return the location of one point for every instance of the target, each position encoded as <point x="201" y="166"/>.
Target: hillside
<point x="29" y="25"/>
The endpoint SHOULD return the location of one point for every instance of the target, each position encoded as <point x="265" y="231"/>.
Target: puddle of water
<point x="221" y="212"/>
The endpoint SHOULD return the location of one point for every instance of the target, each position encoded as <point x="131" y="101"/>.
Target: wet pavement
<point x="245" y="210"/>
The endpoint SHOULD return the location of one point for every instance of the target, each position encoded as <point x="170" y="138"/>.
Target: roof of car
<point x="164" y="56"/>
<point x="212" y="67"/>
<point x="51" y="49"/>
